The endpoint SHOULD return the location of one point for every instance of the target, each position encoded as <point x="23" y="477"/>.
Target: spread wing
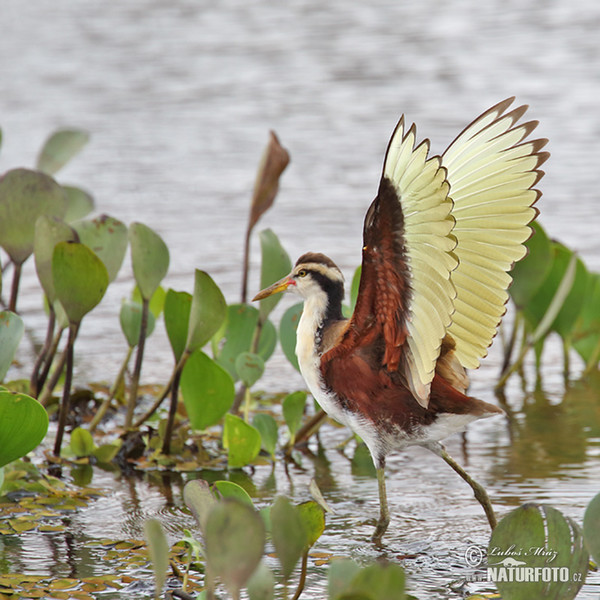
<point x="405" y="295"/>
<point x="491" y="171"/>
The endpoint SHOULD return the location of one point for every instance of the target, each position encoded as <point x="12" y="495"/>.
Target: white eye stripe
<point x="332" y="273"/>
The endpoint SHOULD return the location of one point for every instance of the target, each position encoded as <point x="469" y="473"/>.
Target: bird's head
<point x="314" y="276"/>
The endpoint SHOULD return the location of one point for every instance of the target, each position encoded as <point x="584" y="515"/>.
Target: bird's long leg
<point x="478" y="489"/>
<point x="384" y="513"/>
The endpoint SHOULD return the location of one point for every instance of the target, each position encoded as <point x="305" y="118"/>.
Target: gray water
<point x="179" y="97"/>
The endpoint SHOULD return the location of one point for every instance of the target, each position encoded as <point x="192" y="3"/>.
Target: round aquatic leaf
<point x="79" y="203"/>
<point x="25" y="195"/>
<point x="23" y="425"/>
<point x="313" y="518"/>
<point x="379" y="582"/>
<point x="249" y="368"/>
<point x="48" y="232"/>
<point x="269" y="432"/>
<point x="177" y="318"/>
<point x="293" y="410"/>
<point x="82" y="442"/>
<point x="107" y="237"/>
<point x="275" y="264"/>
<point x="288" y="534"/>
<point x="233" y="562"/>
<point x="149" y="258"/>
<point x="529" y="273"/>
<point x="131" y="322"/>
<point x="287" y="332"/>
<point x="241" y="440"/>
<point x="261" y="586"/>
<point x="199" y="499"/>
<point x="11" y="332"/>
<point x="591" y="528"/>
<point x="80" y="279"/>
<point x="158" y="548"/>
<point x="341" y="572"/>
<point x="537" y="537"/>
<point x="208" y="390"/>
<point x="60" y="148"/>
<point x="229" y="489"/>
<point x="207" y="313"/>
<point x="586" y="334"/>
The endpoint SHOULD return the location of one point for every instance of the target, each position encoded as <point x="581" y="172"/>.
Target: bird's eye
<point x="301" y="273"/>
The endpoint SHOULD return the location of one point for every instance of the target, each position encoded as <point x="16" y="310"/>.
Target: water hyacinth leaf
<point x="107" y="237"/>
<point x="586" y="334"/>
<point x="207" y="312"/>
<point x="261" y="585"/>
<point x="233" y="562"/>
<point x="238" y="334"/>
<point x="229" y="489"/>
<point x="158" y="548"/>
<point x="557" y="542"/>
<point x="249" y="368"/>
<point x="313" y="518"/>
<point x="341" y="572"/>
<point x="288" y="534"/>
<point x="293" y="410"/>
<point x="591" y="528"/>
<point x="208" y="390"/>
<point x="157" y="301"/>
<point x="25" y="195"/>
<point x="275" y="264"/>
<point x="529" y="273"/>
<point x="79" y="203"/>
<point x="130" y="318"/>
<point x="107" y="452"/>
<point x="48" y="232"/>
<point x="82" y="443"/>
<point x="149" y="258"/>
<point x="80" y="279"/>
<point x="177" y="317"/>
<point x="23" y="425"/>
<point x="60" y="148"/>
<point x="267" y="427"/>
<point x="199" y="499"/>
<point x="287" y="332"/>
<point x="241" y="440"/>
<point x="11" y="332"/>
<point x="377" y="581"/>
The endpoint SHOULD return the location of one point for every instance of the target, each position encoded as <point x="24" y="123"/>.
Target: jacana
<point x="439" y="241"/>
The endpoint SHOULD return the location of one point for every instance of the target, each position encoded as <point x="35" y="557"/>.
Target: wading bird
<point x="438" y="243"/>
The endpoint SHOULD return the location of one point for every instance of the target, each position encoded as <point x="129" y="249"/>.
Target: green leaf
<point x="107" y="452"/>
<point x="157" y="301"/>
<point x="80" y="279"/>
<point x="199" y="499"/>
<point x="313" y="519"/>
<point x="107" y="237"/>
<point x="287" y="332"/>
<point x="591" y="528"/>
<point x="158" y="548"/>
<point x="79" y="203"/>
<point x="586" y="334"/>
<point x="24" y="196"/>
<point x="241" y="440"/>
<point x="208" y="390"/>
<point x="261" y="585"/>
<point x="354" y="287"/>
<point x="207" y="313"/>
<point x="267" y="427"/>
<point x="233" y="562"/>
<point x="529" y="273"/>
<point x="537" y="536"/>
<point x="249" y="368"/>
<point x="341" y="572"/>
<point x="130" y="318"/>
<point x="149" y="258"/>
<point x="177" y="317"/>
<point x="275" y="264"/>
<point x="60" y="148"/>
<point x="11" y="332"/>
<point x="48" y="232"/>
<point x="23" y="425"/>
<point x="229" y="489"/>
<point x="379" y="582"/>
<point x="288" y="534"/>
<point x="293" y="410"/>
<point x="82" y="443"/>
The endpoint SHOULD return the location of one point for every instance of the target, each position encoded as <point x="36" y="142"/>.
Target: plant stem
<point x="135" y="381"/>
<point x="302" y="580"/>
<point x="64" y="405"/>
<point x="35" y="380"/>
<point x="247" y="398"/>
<point x="166" y="449"/>
<point x="158" y="401"/>
<point x="246" y="266"/>
<point x="14" y="290"/>
<point x="58" y="369"/>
